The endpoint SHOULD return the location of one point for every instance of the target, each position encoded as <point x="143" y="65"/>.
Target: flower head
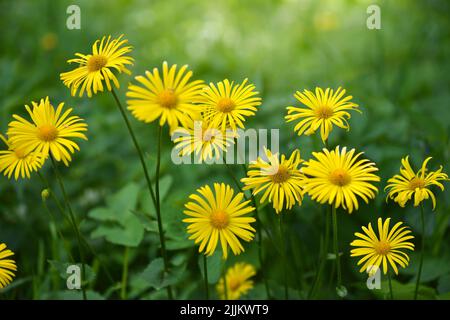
<point x="50" y="131"/>
<point x="280" y="179"/>
<point x="384" y="248"/>
<point x="7" y="266"/>
<point x="407" y="184"/>
<point x="321" y="110"/>
<point x="107" y="56"/>
<point x="16" y="161"/>
<point x="225" y="105"/>
<point x="237" y="281"/>
<point x="219" y="216"/>
<point x="338" y="177"/>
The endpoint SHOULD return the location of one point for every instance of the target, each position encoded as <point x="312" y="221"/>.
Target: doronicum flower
<point x="7" y="266"/>
<point x="238" y="281"/>
<point x="205" y="142"/>
<point x="382" y="249"/>
<point x="50" y="131"/>
<point x="219" y="216"/>
<point x="226" y="105"/>
<point x="408" y="184"/>
<point x="280" y="179"/>
<point x="107" y="57"/>
<point x="171" y="98"/>
<point x="16" y="161"/>
<point x="339" y="178"/>
<point x="321" y="110"/>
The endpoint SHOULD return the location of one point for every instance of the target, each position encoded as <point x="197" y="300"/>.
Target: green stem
<point x="225" y="285"/>
<point x="283" y="256"/>
<point x="123" y="291"/>
<point x="336" y="247"/>
<point x="422" y="250"/>
<point x="74" y="224"/>
<point x="391" y="294"/>
<point x="205" y="271"/>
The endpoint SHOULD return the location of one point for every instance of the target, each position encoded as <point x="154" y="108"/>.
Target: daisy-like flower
<point x="382" y="248"/>
<point x="322" y="109"/>
<point x="107" y="56"/>
<point x="205" y="142"/>
<point x="238" y="281"/>
<point x="225" y="105"/>
<point x="171" y="98"/>
<point x="7" y="266"/>
<point x="16" y="161"/>
<point x="219" y="216"/>
<point x="280" y="179"/>
<point x="50" y="131"/>
<point x="408" y="184"/>
<point x="339" y="178"/>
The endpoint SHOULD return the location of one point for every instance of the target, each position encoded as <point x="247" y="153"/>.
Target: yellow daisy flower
<point x="281" y="180"/>
<point x="322" y="109"/>
<point x="407" y="184"/>
<point x="226" y="105"/>
<point x="16" y="161"/>
<point x="50" y="131"/>
<point x="339" y="177"/>
<point x="382" y="248"/>
<point x="7" y="266"/>
<point x="219" y="216"/>
<point x="205" y="142"/>
<point x="170" y="98"/>
<point x="237" y="281"/>
<point x="94" y="68"/>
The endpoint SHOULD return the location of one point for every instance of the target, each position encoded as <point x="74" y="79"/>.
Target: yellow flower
<point x="407" y="184"/>
<point x="106" y="57"/>
<point x="219" y="216"/>
<point x="171" y="98"/>
<point x="198" y="137"/>
<point x="226" y="105"/>
<point x="7" y="266"/>
<point x="281" y="180"/>
<point x="322" y="109"/>
<point x="50" y="131"/>
<point x="237" y="281"/>
<point x="16" y="161"/>
<point x="339" y="177"/>
<point x="382" y="248"/>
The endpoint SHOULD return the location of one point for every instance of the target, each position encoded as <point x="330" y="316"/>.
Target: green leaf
<point x="145" y="200"/>
<point x="214" y="264"/>
<point x="61" y="268"/>
<point x="123" y="201"/>
<point x="155" y="276"/>
<point x="404" y="291"/>
<point x="129" y="234"/>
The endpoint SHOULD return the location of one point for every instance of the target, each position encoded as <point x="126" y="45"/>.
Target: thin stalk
<point x="391" y="294"/>
<point x="283" y="255"/>
<point x="336" y="246"/>
<point x="422" y="250"/>
<point x="225" y="285"/>
<point x="74" y="224"/>
<point x="205" y="271"/>
<point x="123" y="291"/>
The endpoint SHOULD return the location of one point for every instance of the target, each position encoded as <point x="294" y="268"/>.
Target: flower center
<point x="20" y="153"/>
<point x="219" y="219"/>
<point x="234" y="284"/>
<point x="168" y="99"/>
<point x="96" y="63"/>
<point x="324" y="112"/>
<point x="382" y="247"/>
<point x="416" y="183"/>
<point x="47" y="132"/>
<point x="340" y="177"/>
<point x="225" y="105"/>
<point x="281" y="175"/>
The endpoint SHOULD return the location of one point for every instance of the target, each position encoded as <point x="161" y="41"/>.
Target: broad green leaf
<point x="214" y="265"/>
<point x="129" y="234"/>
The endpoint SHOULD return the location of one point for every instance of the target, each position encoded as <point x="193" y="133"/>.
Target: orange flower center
<point x="234" y="284"/>
<point x="219" y="219"/>
<point x="324" y="112"/>
<point x="416" y="183"/>
<point x="281" y="176"/>
<point x="47" y="132"/>
<point x="382" y="247"/>
<point x="20" y="153"/>
<point x="96" y="63"/>
<point x="168" y="99"/>
<point x="225" y="105"/>
<point x="340" y="177"/>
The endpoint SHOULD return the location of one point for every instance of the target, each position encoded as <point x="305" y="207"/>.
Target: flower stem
<point x="422" y="250"/>
<point x="225" y="285"/>
<point x="123" y="291"/>
<point x="336" y="247"/>
<point x="391" y="294"/>
<point x="283" y="254"/>
<point x="205" y="271"/>
<point x="149" y="182"/>
<point x="74" y="224"/>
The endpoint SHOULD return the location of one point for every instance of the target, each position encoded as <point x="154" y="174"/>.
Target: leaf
<point x="404" y="291"/>
<point x="61" y="268"/>
<point x="146" y="202"/>
<point x="155" y="275"/>
<point x="214" y="264"/>
<point x="130" y="234"/>
<point x="123" y="201"/>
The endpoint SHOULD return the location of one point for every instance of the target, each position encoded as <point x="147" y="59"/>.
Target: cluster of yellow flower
<point x="338" y="177"/>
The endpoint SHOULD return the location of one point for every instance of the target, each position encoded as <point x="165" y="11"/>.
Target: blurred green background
<point x="399" y="75"/>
